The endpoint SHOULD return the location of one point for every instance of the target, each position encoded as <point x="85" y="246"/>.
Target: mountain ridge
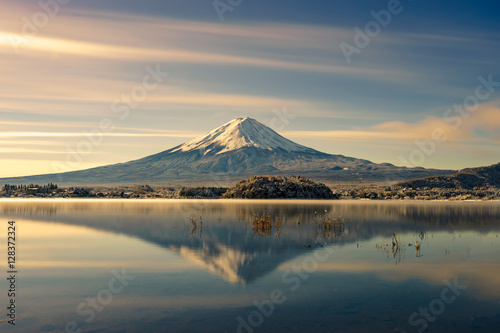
<point x="240" y="148"/>
<point x="470" y="178"/>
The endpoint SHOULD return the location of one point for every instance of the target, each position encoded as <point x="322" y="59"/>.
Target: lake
<point x="252" y="266"/>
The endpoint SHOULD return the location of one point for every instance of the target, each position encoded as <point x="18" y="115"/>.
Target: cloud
<point x="34" y="164"/>
<point x="136" y="38"/>
<point x="57" y="47"/>
<point x="74" y="67"/>
<point x="454" y="127"/>
<point x="30" y="151"/>
<point x="173" y="134"/>
<point x="82" y="61"/>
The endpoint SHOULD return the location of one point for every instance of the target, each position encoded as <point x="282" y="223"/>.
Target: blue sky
<point x="265" y="59"/>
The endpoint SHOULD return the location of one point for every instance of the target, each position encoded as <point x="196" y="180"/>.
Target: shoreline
<point x="40" y="199"/>
<point x="255" y="189"/>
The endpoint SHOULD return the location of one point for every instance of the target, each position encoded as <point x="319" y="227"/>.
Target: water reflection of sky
<point x="203" y="281"/>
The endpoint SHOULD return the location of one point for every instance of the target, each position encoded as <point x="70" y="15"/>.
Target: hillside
<point x="275" y="187"/>
<point x="466" y="179"/>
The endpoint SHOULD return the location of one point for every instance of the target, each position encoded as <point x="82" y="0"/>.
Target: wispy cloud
<point x="83" y="135"/>
<point x="485" y="118"/>
<point x="28" y="150"/>
<point x="135" y="38"/>
<point x="65" y="78"/>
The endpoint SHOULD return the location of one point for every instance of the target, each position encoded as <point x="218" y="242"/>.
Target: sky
<point x="90" y="83"/>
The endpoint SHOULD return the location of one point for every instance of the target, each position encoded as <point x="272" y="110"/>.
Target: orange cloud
<point x="486" y="117"/>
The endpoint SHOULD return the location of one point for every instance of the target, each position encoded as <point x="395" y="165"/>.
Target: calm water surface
<point x="205" y="266"/>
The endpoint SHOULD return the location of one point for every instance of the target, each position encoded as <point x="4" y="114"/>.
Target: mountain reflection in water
<point x="222" y="236"/>
<point x="202" y="263"/>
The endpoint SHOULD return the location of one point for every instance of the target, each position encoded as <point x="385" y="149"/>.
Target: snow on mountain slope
<point x="241" y="133"/>
<point x="239" y="148"/>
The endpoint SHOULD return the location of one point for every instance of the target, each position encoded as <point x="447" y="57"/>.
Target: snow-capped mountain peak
<point x="241" y="133"/>
<point x="239" y="148"/>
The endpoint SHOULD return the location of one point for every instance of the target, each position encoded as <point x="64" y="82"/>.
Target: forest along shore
<point x="148" y="192"/>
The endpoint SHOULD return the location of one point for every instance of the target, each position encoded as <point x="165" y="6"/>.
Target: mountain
<point x="466" y="179"/>
<point x="241" y="133"/>
<point x="240" y="148"/>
